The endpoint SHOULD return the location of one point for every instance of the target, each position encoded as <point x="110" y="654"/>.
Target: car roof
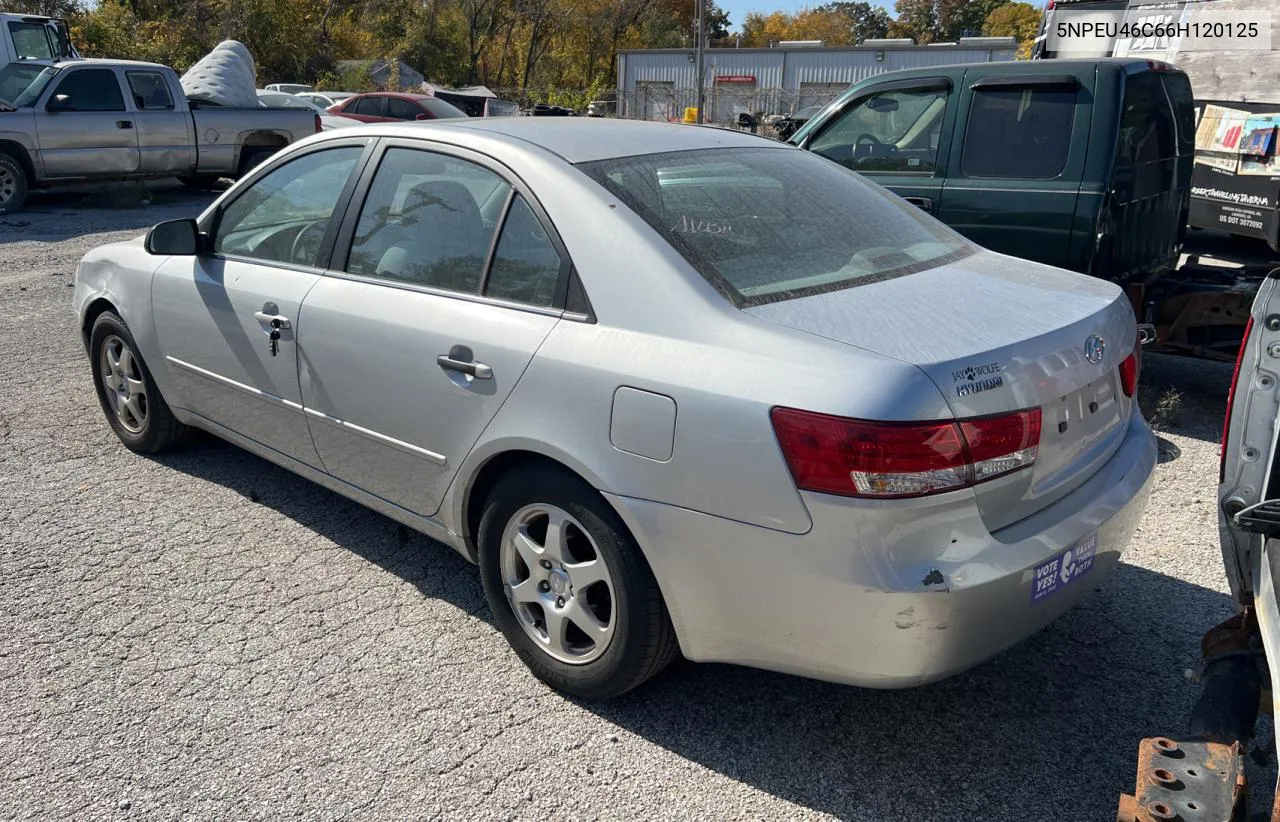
<point x="583" y="139"/>
<point x="105" y="63"/>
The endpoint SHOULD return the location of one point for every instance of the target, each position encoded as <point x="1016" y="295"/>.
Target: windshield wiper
<point x="4" y="106"/>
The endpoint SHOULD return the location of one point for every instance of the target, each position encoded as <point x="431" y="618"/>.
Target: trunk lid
<point x="998" y="334"/>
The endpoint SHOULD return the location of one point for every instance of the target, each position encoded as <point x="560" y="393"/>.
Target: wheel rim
<point x="558" y="584"/>
<point x="8" y="185"/>
<point x="123" y="384"/>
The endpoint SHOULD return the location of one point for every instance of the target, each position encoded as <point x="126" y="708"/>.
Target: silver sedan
<point x="673" y="389"/>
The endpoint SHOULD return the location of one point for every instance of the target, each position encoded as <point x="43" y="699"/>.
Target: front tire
<point x="14" y="184"/>
<point x="569" y="588"/>
<point x="132" y="403"/>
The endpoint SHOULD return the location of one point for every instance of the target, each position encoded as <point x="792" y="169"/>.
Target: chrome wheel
<point x="8" y="185"/>
<point x="123" y="385"/>
<point x="558" y="584"/>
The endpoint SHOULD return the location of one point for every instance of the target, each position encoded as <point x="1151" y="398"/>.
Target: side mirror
<point x="422" y="117"/>
<point x="58" y="103"/>
<point x="175" y="237"/>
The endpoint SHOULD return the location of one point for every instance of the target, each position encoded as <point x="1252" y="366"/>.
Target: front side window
<point x="526" y="266"/>
<point x="89" y="90"/>
<point x="150" y="91"/>
<point x="429" y="220"/>
<point x="283" y="216"/>
<point x="1019" y="132"/>
<point x="893" y="131"/>
<point x="402" y="109"/>
<point x="772" y="224"/>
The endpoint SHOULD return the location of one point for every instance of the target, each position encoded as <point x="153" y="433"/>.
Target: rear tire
<point x="14" y="184"/>
<point x="200" y="182"/>
<point x="132" y="403"/>
<point x="251" y="158"/>
<point x="613" y="582"/>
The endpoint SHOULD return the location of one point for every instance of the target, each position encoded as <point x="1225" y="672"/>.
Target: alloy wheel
<point x="123" y="384"/>
<point x="558" y="584"/>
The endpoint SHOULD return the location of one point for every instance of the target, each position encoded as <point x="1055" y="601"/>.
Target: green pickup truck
<point x="1082" y="164"/>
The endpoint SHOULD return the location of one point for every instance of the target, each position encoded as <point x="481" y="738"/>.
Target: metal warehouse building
<point x="658" y="84"/>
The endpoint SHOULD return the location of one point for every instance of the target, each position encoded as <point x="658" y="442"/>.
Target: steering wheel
<point x="299" y="252"/>
<point x="867" y="138"/>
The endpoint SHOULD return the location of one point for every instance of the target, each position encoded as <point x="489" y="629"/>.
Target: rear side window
<point x="1147" y="129"/>
<point x="1018" y="131"/>
<point x="772" y="224"/>
<point x="368" y="106"/>
<point x="150" y="91"/>
<point x="526" y="266"/>
<point x="90" y="90"/>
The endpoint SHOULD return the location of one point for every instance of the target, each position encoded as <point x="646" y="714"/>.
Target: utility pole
<point x="699" y="19"/>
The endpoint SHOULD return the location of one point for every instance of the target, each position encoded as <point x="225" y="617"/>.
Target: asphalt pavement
<point x="204" y="636"/>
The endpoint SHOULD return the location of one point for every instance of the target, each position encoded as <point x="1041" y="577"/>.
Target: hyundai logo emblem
<point x="1094" y="349"/>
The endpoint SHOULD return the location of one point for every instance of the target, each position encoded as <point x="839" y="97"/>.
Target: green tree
<point x="866" y="21"/>
<point x="1018" y="20"/>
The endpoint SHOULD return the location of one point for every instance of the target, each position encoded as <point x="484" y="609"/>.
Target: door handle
<point x="475" y="369"/>
<point x="124" y="124"/>
<point x="276" y="321"/>
<point x="922" y="203"/>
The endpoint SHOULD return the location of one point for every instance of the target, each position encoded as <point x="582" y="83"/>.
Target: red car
<point x="387" y="107"/>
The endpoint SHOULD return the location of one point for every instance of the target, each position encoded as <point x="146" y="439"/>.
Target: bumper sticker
<point x="1055" y="574"/>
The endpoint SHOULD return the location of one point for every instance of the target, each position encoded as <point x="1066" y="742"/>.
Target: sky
<point x="738" y="8"/>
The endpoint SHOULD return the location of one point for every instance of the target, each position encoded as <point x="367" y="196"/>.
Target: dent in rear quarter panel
<point x="121" y="274"/>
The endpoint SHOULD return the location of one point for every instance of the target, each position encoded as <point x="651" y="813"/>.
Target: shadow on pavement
<point x="59" y="214"/>
<point x="1048" y="729"/>
<point x="1185" y="396"/>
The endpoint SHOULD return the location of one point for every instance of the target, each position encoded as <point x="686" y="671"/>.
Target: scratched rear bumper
<point x="879" y="594"/>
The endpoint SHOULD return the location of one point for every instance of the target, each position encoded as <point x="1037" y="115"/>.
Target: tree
<point x="866" y="21"/>
<point x="917" y="19"/>
<point x="1018" y="20"/>
<point x="46" y="8"/>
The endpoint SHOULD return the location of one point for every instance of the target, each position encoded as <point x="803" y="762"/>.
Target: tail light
<point x="319" y="125"/>
<point x="894" y="460"/>
<point x="1231" y="398"/>
<point x="1130" y="369"/>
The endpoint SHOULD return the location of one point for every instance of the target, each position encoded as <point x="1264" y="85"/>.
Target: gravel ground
<point x="205" y="636"/>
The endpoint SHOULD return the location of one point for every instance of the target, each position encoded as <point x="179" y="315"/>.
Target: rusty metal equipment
<point x="1201" y="778"/>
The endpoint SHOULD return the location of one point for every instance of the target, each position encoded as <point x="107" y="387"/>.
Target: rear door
<point x="415" y="338"/>
<point x="896" y="134"/>
<point x="84" y="126"/>
<point x="166" y="138"/>
<point x="1018" y="155"/>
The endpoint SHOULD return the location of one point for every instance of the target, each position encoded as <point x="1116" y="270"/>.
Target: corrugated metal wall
<point x="788" y="68"/>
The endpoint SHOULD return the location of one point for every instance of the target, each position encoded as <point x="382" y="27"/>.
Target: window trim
<point x="961" y="173"/>
<point x="128" y="81"/>
<point x="912" y="84"/>
<point x="52" y="92"/>
<point x="341" y="251"/>
<point x="213" y="220"/>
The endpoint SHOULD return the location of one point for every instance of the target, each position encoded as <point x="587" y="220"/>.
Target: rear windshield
<point x="769" y="224"/>
<point x="440" y="109"/>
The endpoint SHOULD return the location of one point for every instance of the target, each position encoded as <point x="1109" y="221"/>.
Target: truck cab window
<point x="894" y="131"/>
<point x="150" y="91"/>
<point x="32" y="41"/>
<point x="1018" y="132"/>
<point x="89" y="90"/>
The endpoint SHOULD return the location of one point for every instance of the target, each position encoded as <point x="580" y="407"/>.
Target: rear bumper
<point x="881" y="594"/>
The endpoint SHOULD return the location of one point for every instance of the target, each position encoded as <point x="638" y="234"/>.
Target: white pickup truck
<point x="78" y="121"/>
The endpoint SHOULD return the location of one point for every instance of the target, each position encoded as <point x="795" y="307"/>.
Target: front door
<point x="894" y="135"/>
<point x="1018" y="157"/>
<point x="410" y="350"/>
<point x="84" y="128"/>
<point x="214" y="313"/>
